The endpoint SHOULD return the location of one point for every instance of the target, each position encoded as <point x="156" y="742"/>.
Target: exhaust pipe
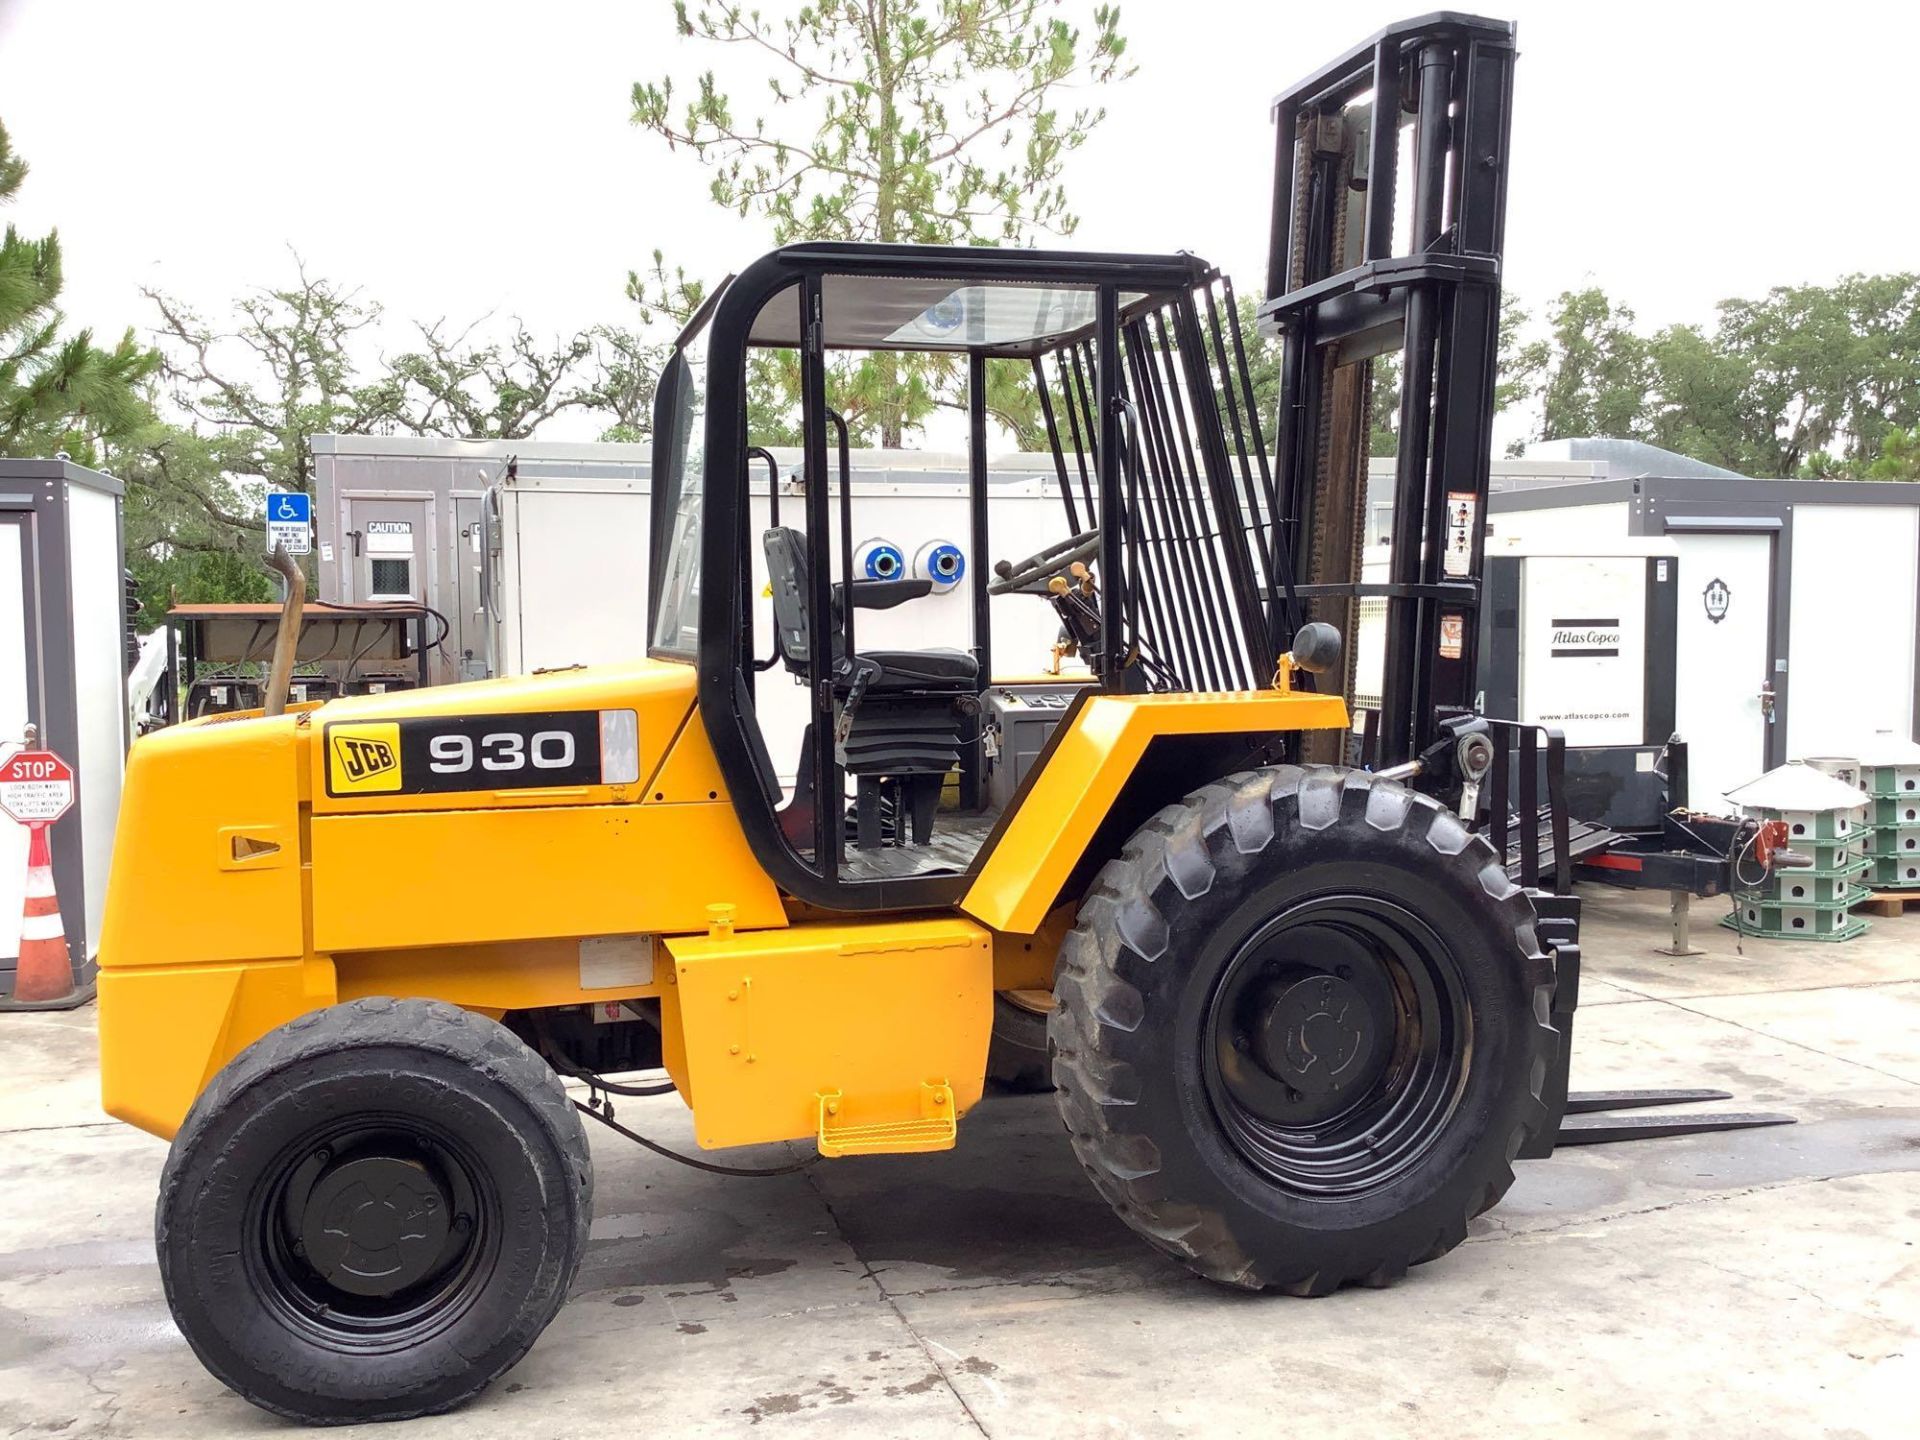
<point x="286" y="640"/>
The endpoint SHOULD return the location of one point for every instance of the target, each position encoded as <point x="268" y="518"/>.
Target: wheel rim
<point x="1336" y="1044"/>
<point x="374" y="1233"/>
<point x="1033" y="1002"/>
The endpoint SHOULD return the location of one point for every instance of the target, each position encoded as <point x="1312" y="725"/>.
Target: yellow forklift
<point x="1304" y="1016"/>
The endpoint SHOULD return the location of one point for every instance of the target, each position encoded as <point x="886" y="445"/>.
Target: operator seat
<point x="896" y="712"/>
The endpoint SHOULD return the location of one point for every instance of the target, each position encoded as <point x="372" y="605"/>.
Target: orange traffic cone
<point x="45" y="971"/>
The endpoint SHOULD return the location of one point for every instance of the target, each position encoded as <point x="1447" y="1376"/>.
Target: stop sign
<point x="36" y="786"/>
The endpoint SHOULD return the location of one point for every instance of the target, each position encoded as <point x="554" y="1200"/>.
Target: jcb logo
<point x="363" y="759"/>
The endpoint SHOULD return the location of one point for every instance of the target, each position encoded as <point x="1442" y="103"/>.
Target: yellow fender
<point x="1091" y="760"/>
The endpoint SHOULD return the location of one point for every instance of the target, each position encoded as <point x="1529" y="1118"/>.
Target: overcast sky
<point x="455" y="157"/>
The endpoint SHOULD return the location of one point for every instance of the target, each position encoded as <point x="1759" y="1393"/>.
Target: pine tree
<point x="57" y="393"/>
<point x="921" y="121"/>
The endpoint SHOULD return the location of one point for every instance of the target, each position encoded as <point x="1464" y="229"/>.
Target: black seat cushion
<point x="945" y="670"/>
<point x="907" y="669"/>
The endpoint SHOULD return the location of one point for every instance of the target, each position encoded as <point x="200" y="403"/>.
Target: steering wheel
<point x="1011" y="579"/>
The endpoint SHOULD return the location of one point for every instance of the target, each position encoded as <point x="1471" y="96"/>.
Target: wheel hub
<point x="375" y="1225"/>
<point x="1333" y="1043"/>
<point x="1315" y="1033"/>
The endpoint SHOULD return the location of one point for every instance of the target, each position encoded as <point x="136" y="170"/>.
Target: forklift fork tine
<point x="1581" y="1102"/>
<point x="1605" y="1129"/>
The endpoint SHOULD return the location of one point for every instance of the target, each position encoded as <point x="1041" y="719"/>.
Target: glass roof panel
<point x="917" y="312"/>
<point x="1000" y="315"/>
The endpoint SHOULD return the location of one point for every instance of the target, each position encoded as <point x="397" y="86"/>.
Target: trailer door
<point x="19" y="668"/>
<point x="469" y="618"/>
<point x="1724" y="665"/>
<point x="581" y="563"/>
<point x="387" y="549"/>
<point x="1851" y="627"/>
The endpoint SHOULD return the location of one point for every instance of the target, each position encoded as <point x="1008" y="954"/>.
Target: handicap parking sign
<point x="289" y="521"/>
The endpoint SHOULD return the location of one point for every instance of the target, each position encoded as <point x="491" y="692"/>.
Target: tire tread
<point x="1090" y="991"/>
<point x="435" y="1025"/>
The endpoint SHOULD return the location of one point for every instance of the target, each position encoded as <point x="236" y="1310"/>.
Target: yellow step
<point x="934" y="1129"/>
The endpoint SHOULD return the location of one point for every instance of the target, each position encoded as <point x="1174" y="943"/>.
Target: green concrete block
<point x="1887" y="781"/>
<point x="1893" y="872"/>
<point x="1895" y="810"/>
<point x="1770" y="921"/>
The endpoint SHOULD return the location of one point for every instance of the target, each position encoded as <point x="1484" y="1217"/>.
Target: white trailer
<point x="537" y="552"/>
<point x="402" y="518"/>
<point x="1797" y="614"/>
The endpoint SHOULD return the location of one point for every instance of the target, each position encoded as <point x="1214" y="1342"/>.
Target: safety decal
<point x="363" y="759"/>
<point x="438" y="754"/>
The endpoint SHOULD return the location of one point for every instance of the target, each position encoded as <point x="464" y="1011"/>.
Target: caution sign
<point x="363" y="759"/>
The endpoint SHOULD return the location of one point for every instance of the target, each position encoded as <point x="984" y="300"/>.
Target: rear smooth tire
<point x="1301" y="1030"/>
<point x="1017" y="1058"/>
<point x="373" y="1211"/>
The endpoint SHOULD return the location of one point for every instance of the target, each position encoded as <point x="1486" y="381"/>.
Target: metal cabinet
<point x="63" y="670"/>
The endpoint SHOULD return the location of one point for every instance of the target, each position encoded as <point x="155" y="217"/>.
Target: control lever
<point x="863" y="677"/>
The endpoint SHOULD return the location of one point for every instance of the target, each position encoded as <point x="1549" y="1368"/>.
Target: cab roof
<point x="959" y="297"/>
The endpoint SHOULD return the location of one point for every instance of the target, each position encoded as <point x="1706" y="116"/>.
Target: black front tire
<point x="373" y="1212"/>
<point x="1378" y="883"/>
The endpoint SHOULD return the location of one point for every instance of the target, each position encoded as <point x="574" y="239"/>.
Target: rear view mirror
<point x="1316" y="648"/>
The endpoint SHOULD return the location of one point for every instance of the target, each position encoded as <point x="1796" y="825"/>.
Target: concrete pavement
<point x="1757" y="1283"/>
